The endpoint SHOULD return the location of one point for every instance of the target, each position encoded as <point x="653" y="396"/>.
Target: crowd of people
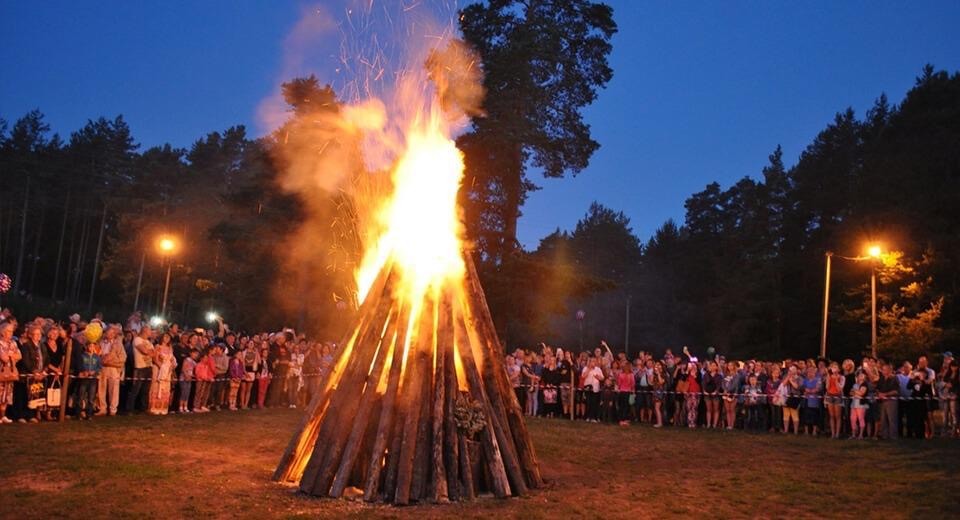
<point x="876" y="399"/>
<point x="138" y="368"/>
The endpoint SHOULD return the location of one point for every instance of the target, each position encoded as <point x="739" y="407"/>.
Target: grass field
<point x="219" y="465"/>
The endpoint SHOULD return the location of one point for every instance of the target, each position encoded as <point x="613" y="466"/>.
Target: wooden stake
<point x="361" y="419"/>
<point x="437" y="491"/>
<point x="492" y="454"/>
<point x="451" y="444"/>
<point x="417" y="368"/>
<point x="385" y="423"/>
<point x="299" y="446"/>
<point x="318" y="474"/>
<point x="518" y="427"/>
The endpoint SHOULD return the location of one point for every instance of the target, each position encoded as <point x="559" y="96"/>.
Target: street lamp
<point x="167" y="245"/>
<point x="874" y="252"/>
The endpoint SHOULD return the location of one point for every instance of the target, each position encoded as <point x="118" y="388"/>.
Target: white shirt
<point x="592" y="377"/>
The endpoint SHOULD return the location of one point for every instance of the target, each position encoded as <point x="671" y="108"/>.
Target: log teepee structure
<point x="385" y="420"/>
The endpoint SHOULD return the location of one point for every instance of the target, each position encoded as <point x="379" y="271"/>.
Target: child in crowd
<point x="186" y="379"/>
<point x="89" y="373"/>
<point x="204" y="374"/>
<point x="236" y="373"/>
<point x="752" y="397"/>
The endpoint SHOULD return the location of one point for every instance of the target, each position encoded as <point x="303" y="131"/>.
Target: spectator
<point x="236" y="375"/>
<point x="792" y="389"/>
<point x="833" y="399"/>
<point x="143" y="353"/>
<point x="88" y="372"/>
<point x="625" y="390"/>
<point x="858" y="406"/>
<point x="30" y="389"/>
<point x="203" y="374"/>
<point x="53" y="353"/>
<point x="220" y="385"/>
<point x="810" y="419"/>
<point x="164" y="366"/>
<point x="251" y="365"/>
<point x="264" y="374"/>
<point x="9" y="357"/>
<point x="712" y="385"/>
<point x="889" y="392"/>
<point x="113" y="357"/>
<point x="592" y="378"/>
<point x="187" y="374"/>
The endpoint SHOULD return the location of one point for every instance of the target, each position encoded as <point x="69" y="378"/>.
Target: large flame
<point x="422" y="229"/>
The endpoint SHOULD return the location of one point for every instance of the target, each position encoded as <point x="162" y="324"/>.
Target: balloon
<point x="92" y="332"/>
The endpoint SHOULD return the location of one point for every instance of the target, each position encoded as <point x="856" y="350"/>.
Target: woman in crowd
<point x="53" y="353"/>
<point x="551" y="388"/>
<point x="30" y="389"/>
<point x="791" y="390"/>
<point x="251" y="364"/>
<point x="858" y="406"/>
<point x="592" y="379"/>
<point x="692" y="397"/>
<point x="9" y="356"/>
<point x="947" y="385"/>
<point x="712" y="385"/>
<point x="565" y="369"/>
<point x="731" y="389"/>
<point x="658" y="383"/>
<point x="833" y="399"/>
<point x="625" y="387"/>
<point x="164" y="365"/>
<point x="810" y="420"/>
<point x="264" y="374"/>
<point x="775" y="399"/>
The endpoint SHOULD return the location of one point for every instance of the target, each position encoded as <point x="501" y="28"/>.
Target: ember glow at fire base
<point x="423" y="351"/>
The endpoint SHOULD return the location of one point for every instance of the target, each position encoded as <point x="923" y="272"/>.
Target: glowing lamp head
<point x="874" y="251"/>
<point x="212" y="316"/>
<point x="156" y="321"/>
<point x="167" y="245"/>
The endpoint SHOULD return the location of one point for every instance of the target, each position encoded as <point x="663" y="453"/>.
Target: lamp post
<point x="826" y="306"/>
<point x="874" y="252"/>
<point x="167" y="246"/>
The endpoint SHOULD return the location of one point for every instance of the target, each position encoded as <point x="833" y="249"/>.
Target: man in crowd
<point x="113" y="358"/>
<point x="889" y="392"/>
<point x="142" y="369"/>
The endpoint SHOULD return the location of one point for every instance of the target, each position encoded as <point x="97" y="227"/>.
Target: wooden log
<point x="361" y="418"/>
<point x="437" y="489"/>
<point x="387" y="412"/>
<point x="466" y="472"/>
<point x="518" y="426"/>
<point x="417" y="368"/>
<point x="422" y="454"/>
<point x="493" y="457"/>
<point x="318" y="474"/>
<point x="498" y="415"/>
<point x="451" y="444"/>
<point x="389" y="488"/>
<point x="309" y="427"/>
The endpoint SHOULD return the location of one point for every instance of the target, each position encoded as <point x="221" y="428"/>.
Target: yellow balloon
<point x="93" y="332"/>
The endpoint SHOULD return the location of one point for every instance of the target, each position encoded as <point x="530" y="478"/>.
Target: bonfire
<point x="385" y="422"/>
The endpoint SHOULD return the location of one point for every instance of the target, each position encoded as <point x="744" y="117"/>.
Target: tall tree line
<point x="744" y="272"/>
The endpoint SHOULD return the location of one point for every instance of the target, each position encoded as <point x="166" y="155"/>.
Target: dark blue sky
<point x="702" y="91"/>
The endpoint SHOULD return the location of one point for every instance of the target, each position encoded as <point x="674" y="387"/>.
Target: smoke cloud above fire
<point x="379" y="70"/>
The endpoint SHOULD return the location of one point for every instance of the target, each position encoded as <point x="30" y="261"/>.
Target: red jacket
<point x="205" y="370"/>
